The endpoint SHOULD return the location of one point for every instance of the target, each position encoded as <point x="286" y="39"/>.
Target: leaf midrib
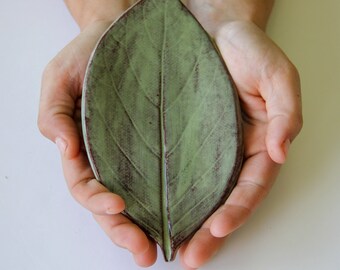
<point x="164" y="180"/>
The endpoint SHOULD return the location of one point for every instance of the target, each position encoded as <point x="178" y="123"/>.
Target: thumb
<point x="57" y="111"/>
<point x="278" y="138"/>
<point x="283" y="104"/>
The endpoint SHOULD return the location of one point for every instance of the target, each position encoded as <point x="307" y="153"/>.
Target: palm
<point x="248" y="57"/>
<point x="266" y="83"/>
<point x="59" y="119"/>
<point x="253" y="106"/>
<point x="261" y="73"/>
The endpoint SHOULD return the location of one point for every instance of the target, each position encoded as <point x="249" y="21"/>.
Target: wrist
<point x="99" y="17"/>
<point x="89" y="12"/>
<point x="215" y="14"/>
<point x="256" y="12"/>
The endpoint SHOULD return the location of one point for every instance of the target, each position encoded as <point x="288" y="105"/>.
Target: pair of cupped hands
<point x="269" y="91"/>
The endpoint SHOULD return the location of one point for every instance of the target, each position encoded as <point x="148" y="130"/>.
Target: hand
<point x="260" y="91"/>
<point x="59" y="120"/>
<point x="269" y="90"/>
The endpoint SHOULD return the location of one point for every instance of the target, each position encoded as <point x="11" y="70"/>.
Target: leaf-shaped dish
<point x="161" y="120"/>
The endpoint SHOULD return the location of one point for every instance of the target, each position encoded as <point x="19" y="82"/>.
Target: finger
<point x="87" y="190"/>
<point x="147" y="258"/>
<point x="182" y="251"/>
<point x="57" y="107"/>
<point x="259" y="66"/>
<point x="283" y="103"/>
<point x="96" y="198"/>
<point x="127" y="235"/>
<point x="278" y="137"/>
<point x="256" y="179"/>
<point x="200" y="249"/>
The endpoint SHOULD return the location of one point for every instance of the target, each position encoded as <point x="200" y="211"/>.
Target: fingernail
<point x="61" y="144"/>
<point x="111" y="211"/>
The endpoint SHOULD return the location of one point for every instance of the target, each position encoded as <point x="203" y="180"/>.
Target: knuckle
<point x="282" y="69"/>
<point x="299" y="123"/>
<point x="296" y="125"/>
<point x="84" y="191"/>
<point x="77" y="191"/>
<point x="42" y="125"/>
<point x="51" y="70"/>
<point x="292" y="69"/>
<point x="289" y="70"/>
<point x="49" y="73"/>
<point x="58" y="68"/>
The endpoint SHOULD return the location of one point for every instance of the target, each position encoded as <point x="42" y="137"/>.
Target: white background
<point x="43" y="228"/>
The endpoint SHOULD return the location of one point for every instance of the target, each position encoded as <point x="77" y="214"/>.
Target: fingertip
<point x="116" y="205"/>
<point x="229" y="219"/>
<point x="222" y="226"/>
<point x="189" y="260"/>
<point x="95" y="197"/>
<point x="189" y="256"/>
<point x="56" y="123"/>
<point x="182" y="252"/>
<point x="73" y="148"/>
<point x="61" y="144"/>
<point x="218" y="227"/>
<point x="129" y="236"/>
<point x="147" y="258"/>
<point x="185" y="266"/>
<point x="68" y="148"/>
<point x="278" y="152"/>
<point x="202" y="247"/>
<point x="277" y="139"/>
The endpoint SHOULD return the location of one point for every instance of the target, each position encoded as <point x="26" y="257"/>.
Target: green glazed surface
<point x="161" y="120"/>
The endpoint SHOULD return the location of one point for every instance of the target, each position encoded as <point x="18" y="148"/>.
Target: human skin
<point x="269" y="91"/>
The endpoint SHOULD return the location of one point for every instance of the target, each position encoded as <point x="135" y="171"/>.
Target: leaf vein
<point x="147" y="28"/>
<point x="171" y="151"/>
<point x="201" y="178"/>
<point x="202" y="145"/>
<point x="187" y="81"/>
<point x="119" y="146"/>
<point x="128" y="115"/>
<point x="197" y="204"/>
<point x="116" y="178"/>
<point x="135" y="73"/>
